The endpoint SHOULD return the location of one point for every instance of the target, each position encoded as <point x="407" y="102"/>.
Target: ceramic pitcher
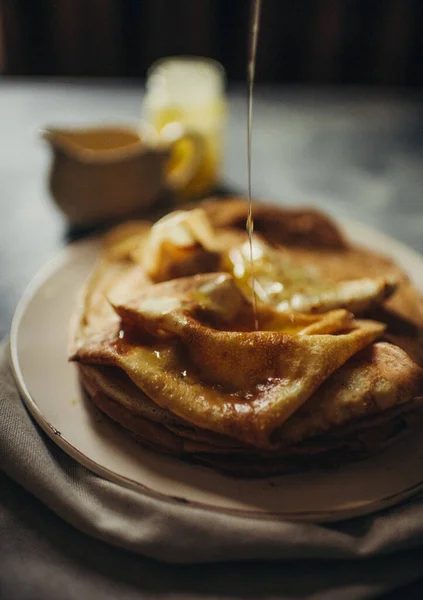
<point x="108" y="172"/>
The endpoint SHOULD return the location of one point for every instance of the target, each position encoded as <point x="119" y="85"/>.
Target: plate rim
<point x="59" y="260"/>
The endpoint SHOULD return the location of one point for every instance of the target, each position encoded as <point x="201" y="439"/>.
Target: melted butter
<point x="159" y="307"/>
<point x="175" y="235"/>
<point x="222" y="297"/>
<point x="186" y="228"/>
<point x="276" y="278"/>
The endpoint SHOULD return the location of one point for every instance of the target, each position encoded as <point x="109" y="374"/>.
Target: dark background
<point x="377" y="42"/>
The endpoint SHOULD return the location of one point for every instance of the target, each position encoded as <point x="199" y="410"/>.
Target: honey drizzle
<point x="255" y="21"/>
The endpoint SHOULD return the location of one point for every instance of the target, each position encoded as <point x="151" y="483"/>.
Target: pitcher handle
<point x="181" y="176"/>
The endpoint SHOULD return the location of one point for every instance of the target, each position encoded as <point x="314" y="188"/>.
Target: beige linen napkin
<point x="175" y="532"/>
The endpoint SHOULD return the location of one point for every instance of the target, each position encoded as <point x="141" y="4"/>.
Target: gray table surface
<point x="355" y="153"/>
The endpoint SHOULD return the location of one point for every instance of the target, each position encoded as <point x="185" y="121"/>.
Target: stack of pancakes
<point x="166" y="344"/>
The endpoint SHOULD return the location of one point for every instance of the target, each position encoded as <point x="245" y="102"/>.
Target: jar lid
<point x="184" y="81"/>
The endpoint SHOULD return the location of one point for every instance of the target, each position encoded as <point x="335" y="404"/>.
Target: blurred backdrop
<point x="376" y="42"/>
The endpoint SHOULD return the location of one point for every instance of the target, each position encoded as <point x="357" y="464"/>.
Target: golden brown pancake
<point x="165" y="343"/>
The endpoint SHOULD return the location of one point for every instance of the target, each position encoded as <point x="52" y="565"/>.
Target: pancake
<point x="164" y="341"/>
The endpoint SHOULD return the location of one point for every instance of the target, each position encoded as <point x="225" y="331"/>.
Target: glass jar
<point x="189" y="92"/>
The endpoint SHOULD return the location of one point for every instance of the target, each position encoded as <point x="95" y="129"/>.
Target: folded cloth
<point x="184" y="534"/>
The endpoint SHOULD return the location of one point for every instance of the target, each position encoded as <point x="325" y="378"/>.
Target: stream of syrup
<point x="251" y="67"/>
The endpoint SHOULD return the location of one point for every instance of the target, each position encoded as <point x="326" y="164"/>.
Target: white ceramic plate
<point x="50" y="389"/>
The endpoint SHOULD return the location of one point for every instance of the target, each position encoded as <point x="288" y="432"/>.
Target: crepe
<point x="165" y="342"/>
